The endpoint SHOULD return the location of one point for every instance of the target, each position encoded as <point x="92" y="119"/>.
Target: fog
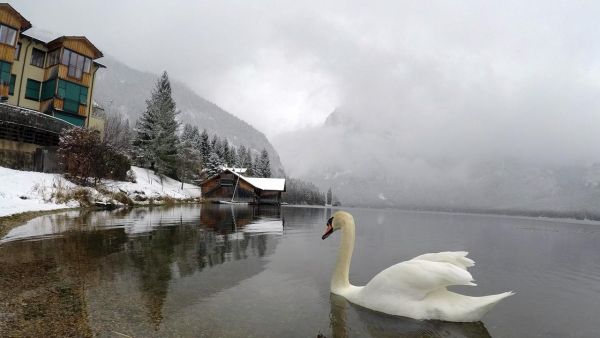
<point x="461" y="103"/>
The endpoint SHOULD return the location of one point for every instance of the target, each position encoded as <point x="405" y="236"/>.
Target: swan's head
<point x="336" y="222"/>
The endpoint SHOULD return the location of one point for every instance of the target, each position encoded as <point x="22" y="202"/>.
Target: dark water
<point x="242" y="272"/>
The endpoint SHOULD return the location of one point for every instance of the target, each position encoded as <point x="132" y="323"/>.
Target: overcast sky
<point x="501" y="74"/>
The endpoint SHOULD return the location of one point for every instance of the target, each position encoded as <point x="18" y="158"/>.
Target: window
<point x="11" y="88"/>
<point x="78" y="64"/>
<point x="48" y="89"/>
<point x="17" y="51"/>
<point x="53" y="58"/>
<point x="72" y="94"/>
<point x="4" y="72"/>
<point x="32" y="90"/>
<point x="8" y="35"/>
<point x="87" y="65"/>
<point x="37" y="57"/>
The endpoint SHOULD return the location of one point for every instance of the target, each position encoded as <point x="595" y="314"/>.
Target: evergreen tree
<point x="215" y="145"/>
<point x="204" y="145"/>
<point x="156" y="141"/>
<point x="329" y="199"/>
<point x="256" y="172"/>
<point x="233" y="157"/>
<point x="265" y="164"/>
<point x="225" y="152"/>
<point x="240" y="157"/>
<point x="213" y="164"/>
<point x="189" y="154"/>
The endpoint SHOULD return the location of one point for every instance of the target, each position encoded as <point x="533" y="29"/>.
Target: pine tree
<point x="256" y="171"/>
<point x="213" y="164"/>
<point x="156" y="140"/>
<point x="329" y="199"/>
<point x="215" y="145"/>
<point x="263" y="165"/>
<point x="204" y="145"/>
<point x="189" y="154"/>
<point x="225" y="155"/>
<point x="240" y="157"/>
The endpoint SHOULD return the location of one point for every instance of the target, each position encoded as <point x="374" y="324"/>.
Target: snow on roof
<point x="236" y="170"/>
<point x="273" y="184"/>
<point x="41" y="34"/>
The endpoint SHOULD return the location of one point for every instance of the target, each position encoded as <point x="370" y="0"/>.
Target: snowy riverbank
<point x="22" y="191"/>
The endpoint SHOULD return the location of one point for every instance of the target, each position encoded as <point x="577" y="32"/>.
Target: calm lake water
<point x="222" y="271"/>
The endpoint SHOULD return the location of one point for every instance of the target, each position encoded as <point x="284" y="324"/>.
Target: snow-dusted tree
<point x="204" y="145"/>
<point x="225" y="152"/>
<point x="329" y="199"/>
<point x="233" y="156"/>
<point x="255" y="168"/>
<point x="262" y="165"/>
<point x="213" y="165"/>
<point x="156" y="141"/>
<point x="240" y="156"/>
<point x="215" y="145"/>
<point x="189" y="162"/>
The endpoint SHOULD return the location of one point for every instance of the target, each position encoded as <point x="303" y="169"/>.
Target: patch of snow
<point x="153" y="186"/>
<point x="381" y="196"/>
<point x="23" y="191"/>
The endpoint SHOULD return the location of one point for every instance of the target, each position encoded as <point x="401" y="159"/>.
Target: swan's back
<point x="417" y="289"/>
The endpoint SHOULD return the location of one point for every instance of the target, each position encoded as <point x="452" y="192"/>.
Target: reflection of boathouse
<point x="231" y="186"/>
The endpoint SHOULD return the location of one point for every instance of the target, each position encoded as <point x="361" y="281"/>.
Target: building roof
<point x="237" y="170"/>
<point x="41" y="35"/>
<point x="50" y="38"/>
<point x="270" y="184"/>
<point x="25" y="24"/>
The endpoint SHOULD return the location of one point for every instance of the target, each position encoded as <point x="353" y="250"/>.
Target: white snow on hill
<point x="22" y="191"/>
<point x="152" y="186"/>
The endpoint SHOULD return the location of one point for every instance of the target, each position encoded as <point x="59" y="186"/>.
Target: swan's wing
<point x="457" y="258"/>
<point x="416" y="278"/>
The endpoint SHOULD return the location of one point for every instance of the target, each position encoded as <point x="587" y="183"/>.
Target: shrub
<point x="82" y="156"/>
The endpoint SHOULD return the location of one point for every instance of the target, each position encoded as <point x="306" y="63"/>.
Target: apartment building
<point x="49" y="74"/>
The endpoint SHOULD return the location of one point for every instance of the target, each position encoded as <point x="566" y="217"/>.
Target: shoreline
<point x="9" y="222"/>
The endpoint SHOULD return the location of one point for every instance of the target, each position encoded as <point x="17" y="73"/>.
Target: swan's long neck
<point x="339" y="280"/>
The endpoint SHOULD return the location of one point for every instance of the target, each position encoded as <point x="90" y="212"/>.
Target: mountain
<point x="377" y="165"/>
<point x="122" y="88"/>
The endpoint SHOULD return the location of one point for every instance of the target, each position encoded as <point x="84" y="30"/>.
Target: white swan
<point x="414" y="288"/>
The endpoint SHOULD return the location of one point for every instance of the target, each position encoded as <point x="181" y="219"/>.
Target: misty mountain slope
<point x="125" y="89"/>
<point x="383" y="166"/>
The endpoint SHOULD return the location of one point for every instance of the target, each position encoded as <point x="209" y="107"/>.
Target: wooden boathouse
<point x="231" y="186"/>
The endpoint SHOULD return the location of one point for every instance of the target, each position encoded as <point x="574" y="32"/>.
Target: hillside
<point x="125" y="89"/>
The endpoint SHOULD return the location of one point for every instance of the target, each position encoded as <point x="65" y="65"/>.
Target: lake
<point x="238" y="271"/>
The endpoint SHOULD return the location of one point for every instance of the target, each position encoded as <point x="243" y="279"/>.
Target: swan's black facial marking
<point x="328" y="229"/>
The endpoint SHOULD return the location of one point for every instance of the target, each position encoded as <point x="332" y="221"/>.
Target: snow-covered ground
<point x="152" y="186"/>
<point x="22" y="191"/>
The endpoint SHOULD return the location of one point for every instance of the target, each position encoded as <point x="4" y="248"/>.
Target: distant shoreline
<point x="583" y="217"/>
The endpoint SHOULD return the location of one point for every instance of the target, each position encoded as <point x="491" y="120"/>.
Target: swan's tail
<point x="481" y="305"/>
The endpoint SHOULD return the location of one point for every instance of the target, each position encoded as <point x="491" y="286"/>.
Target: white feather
<point x="414" y="288"/>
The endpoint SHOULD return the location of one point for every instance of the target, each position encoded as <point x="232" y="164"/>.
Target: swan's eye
<point x="330" y="221"/>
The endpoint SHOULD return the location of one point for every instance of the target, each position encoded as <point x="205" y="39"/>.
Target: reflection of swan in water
<point x="366" y="322"/>
<point x="415" y="288"/>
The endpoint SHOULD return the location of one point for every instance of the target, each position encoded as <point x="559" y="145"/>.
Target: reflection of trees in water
<point x="95" y="258"/>
<point x="344" y="317"/>
<point x="152" y="255"/>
